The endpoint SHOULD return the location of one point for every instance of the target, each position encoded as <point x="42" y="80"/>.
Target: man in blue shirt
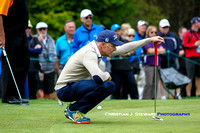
<point x="139" y="35"/>
<point x="64" y="45"/>
<point x="87" y="32"/>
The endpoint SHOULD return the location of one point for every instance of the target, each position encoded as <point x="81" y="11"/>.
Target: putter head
<point x="22" y="103"/>
<point x="156" y="118"/>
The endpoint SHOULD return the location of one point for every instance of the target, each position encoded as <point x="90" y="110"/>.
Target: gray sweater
<point x="48" y="55"/>
<point x="84" y="64"/>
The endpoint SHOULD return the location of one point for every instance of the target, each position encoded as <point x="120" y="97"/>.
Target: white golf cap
<point x="85" y="13"/>
<point x="141" y="22"/>
<point x="164" y="23"/>
<point x="41" y="25"/>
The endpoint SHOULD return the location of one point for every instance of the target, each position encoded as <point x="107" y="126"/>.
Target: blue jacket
<point x="139" y="50"/>
<point x="172" y="44"/>
<point x="64" y="49"/>
<point x="83" y="36"/>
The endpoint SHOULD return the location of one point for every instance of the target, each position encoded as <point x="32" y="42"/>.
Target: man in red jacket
<point x="192" y="51"/>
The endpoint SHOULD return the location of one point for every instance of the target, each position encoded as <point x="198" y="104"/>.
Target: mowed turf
<point x="116" y="116"/>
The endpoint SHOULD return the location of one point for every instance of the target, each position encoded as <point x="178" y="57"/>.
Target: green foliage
<point x="108" y="12"/>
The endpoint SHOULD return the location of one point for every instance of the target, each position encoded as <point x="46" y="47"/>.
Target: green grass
<point x="46" y="116"/>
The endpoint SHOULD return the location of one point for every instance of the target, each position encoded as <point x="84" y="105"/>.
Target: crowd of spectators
<point x="48" y="56"/>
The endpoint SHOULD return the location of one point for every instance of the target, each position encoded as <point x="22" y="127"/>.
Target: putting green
<point x="116" y="116"/>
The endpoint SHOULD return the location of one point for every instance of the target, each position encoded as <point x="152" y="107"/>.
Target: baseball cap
<point x="41" y="25"/>
<point x="164" y="23"/>
<point x="195" y="20"/>
<point x="85" y="13"/>
<point x="114" y="27"/>
<point x="108" y="36"/>
<point x="141" y="22"/>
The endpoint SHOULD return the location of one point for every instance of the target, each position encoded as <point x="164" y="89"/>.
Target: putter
<point x="155" y="64"/>
<point x="5" y="54"/>
<point x="60" y="102"/>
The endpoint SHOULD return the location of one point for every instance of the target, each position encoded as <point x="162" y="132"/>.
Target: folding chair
<point x="172" y="79"/>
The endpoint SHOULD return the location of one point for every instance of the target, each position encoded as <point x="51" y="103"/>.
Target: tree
<point x="108" y="12"/>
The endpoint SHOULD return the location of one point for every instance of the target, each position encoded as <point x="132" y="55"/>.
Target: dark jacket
<point x="17" y="18"/>
<point x="173" y="45"/>
<point x="34" y="54"/>
<point x="120" y="64"/>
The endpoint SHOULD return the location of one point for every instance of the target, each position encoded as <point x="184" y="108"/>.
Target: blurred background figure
<point x="172" y="46"/>
<point x="121" y="72"/>
<point x="135" y="59"/>
<point x="130" y="34"/>
<point x="47" y="61"/>
<point x="87" y="32"/>
<point x="148" y="65"/>
<point x="124" y="28"/>
<point x="64" y="46"/>
<point x="139" y="35"/>
<point x="191" y="43"/>
<point x="181" y="61"/>
<point x="35" y="49"/>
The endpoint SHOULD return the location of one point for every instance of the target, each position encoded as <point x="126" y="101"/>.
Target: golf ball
<point x="99" y="107"/>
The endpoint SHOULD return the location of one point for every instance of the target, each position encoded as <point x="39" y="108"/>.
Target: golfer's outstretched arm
<point x="127" y="47"/>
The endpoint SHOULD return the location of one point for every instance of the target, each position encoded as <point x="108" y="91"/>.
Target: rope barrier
<point x="128" y="57"/>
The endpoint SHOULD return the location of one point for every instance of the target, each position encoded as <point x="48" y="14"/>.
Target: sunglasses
<point x="40" y="29"/>
<point x="165" y="27"/>
<point x="155" y="32"/>
<point x="131" y="35"/>
<point x="88" y="17"/>
<point x="29" y="28"/>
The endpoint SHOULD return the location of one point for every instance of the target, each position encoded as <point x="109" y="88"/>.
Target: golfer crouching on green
<point x="83" y="81"/>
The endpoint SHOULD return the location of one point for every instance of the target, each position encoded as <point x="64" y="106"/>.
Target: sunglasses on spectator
<point x="88" y="17"/>
<point x="40" y="29"/>
<point x="155" y="32"/>
<point x="131" y="35"/>
<point x="165" y="27"/>
<point x="29" y="27"/>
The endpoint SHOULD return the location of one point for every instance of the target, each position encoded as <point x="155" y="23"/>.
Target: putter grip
<point x="4" y="51"/>
<point x="155" y="56"/>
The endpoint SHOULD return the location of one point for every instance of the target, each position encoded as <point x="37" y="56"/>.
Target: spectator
<point x="87" y="32"/>
<point x="35" y="49"/>
<point x="122" y="74"/>
<point x="130" y="34"/>
<point x="172" y="46"/>
<point x="64" y="46"/>
<point x="139" y="35"/>
<point x="124" y="28"/>
<point x="181" y="33"/>
<point x="83" y="81"/>
<point x="192" y="51"/>
<point x="13" y="22"/>
<point x="181" y="61"/>
<point x="148" y="65"/>
<point x="47" y="60"/>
